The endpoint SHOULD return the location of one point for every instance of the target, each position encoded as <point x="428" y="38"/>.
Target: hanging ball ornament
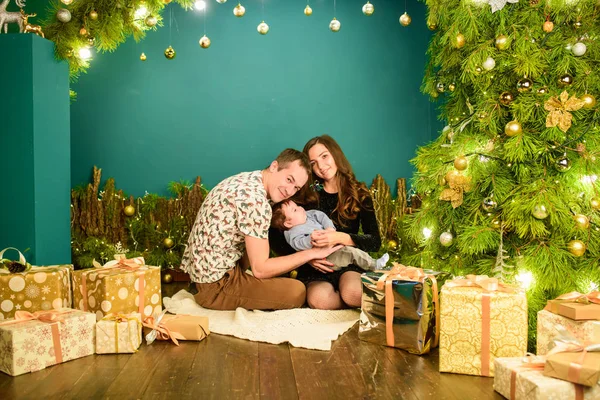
<point x="496" y="223"/>
<point x="478" y="70"/>
<point x="595" y="203"/>
<point x="542" y="91"/>
<point x="513" y="128"/>
<point x="451" y="175"/>
<point x="168" y="243"/>
<point x="576" y="247"/>
<point x="93" y="15"/>
<point x="506" y="98"/>
<point x="489" y="204"/>
<point x="170" y="53"/>
<point x="461" y="163"/>
<point x="440" y="87"/>
<point x="83" y="31"/>
<point x="66" y="2"/>
<point x="489" y="64"/>
<point x="167" y="277"/>
<point x="91" y="41"/>
<point x="392" y="244"/>
<point x="293" y="274"/>
<point x="432" y="26"/>
<point x="151" y="21"/>
<point x="262" y="28"/>
<point x="579" y="49"/>
<point x="335" y="25"/>
<point x="539" y="211"/>
<point x="548" y="26"/>
<point x="581" y="221"/>
<point x="452" y="87"/>
<point x="589" y="101"/>
<point x="563" y="164"/>
<point x="577" y="24"/>
<point x="143" y="57"/>
<point x="565" y="80"/>
<point x="524" y="85"/>
<point x="129" y="210"/>
<point x="405" y="19"/>
<point x="221" y="1"/>
<point x="502" y="42"/>
<point x="446" y="239"/>
<point x="204" y="42"/>
<point x="368" y="9"/>
<point x="239" y="11"/>
<point x="307" y="11"/>
<point x="460" y="41"/>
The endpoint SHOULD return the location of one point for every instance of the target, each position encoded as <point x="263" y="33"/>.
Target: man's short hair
<point x="288" y="156"/>
<point x="278" y="219"/>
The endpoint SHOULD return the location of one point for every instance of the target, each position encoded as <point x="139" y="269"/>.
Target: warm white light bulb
<point x="589" y="179"/>
<point x="592" y="287"/>
<point x="85" y="53"/>
<point x="200" y="5"/>
<point x="525" y="279"/>
<point x="427" y="233"/>
<point x="140" y="12"/>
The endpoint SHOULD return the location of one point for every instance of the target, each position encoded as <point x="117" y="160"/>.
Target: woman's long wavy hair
<point x="351" y="192"/>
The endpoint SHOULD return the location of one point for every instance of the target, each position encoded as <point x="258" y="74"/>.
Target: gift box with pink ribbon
<point x="575" y="305"/>
<point x="119" y="333"/>
<point x="548" y="323"/>
<point x="32" y="288"/>
<point x="175" y="327"/>
<point x="33" y="341"/>
<point x="120" y="286"/>
<point x="522" y="378"/>
<point x="400" y="308"/>
<point x="481" y="319"/>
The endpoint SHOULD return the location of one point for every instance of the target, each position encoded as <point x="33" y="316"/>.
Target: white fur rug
<point x="301" y="327"/>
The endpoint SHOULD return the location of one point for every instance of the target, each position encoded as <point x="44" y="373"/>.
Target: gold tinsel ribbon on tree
<point x="559" y="110"/>
<point x="459" y="184"/>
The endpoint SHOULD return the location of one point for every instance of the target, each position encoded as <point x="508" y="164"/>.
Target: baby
<point x="297" y="226"/>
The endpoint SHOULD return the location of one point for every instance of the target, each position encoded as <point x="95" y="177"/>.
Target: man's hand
<point x="325" y="238"/>
<point x="320" y="263"/>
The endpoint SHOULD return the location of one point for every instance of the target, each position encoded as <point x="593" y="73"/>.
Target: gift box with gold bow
<point x="34" y="341"/>
<point x="481" y="319"/>
<point x="175" y="327"/>
<point x="121" y="286"/>
<point x="522" y="378"/>
<point x="548" y="323"/>
<point x="119" y="333"/>
<point x="31" y="288"/>
<point x="400" y="308"/>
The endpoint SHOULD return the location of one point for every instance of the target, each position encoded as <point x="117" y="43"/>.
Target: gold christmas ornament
<point x="392" y="244"/>
<point x="151" y="21"/>
<point x="239" y="11"/>
<point x="405" y="19"/>
<point x="170" y="53"/>
<point x="307" y="11"/>
<point x="204" y="42"/>
<point x="589" y="101"/>
<point x="168" y="243"/>
<point x="368" y="9"/>
<point x="576" y="247"/>
<point x="460" y="41"/>
<point x="83" y="31"/>
<point x="143" y="57"/>
<point x="478" y="70"/>
<point x="93" y="15"/>
<point x="542" y="91"/>
<point x="452" y="87"/>
<point x="560" y="108"/>
<point x="539" y="211"/>
<point x="595" y="203"/>
<point x="442" y="180"/>
<point x="432" y="27"/>
<point x="581" y="221"/>
<point x="335" y="25"/>
<point x="565" y="80"/>
<point x="129" y="210"/>
<point x="496" y="223"/>
<point x="91" y="41"/>
<point x="262" y="28"/>
<point x="513" y="128"/>
<point x="293" y="274"/>
<point x="563" y="164"/>
<point x="167" y="277"/>
<point x="461" y="163"/>
<point x="446" y="239"/>
<point x="502" y="42"/>
<point x="506" y="98"/>
<point x="489" y="204"/>
<point x="524" y="85"/>
<point x="548" y="26"/>
<point x="451" y="175"/>
<point x="577" y="24"/>
<point x="459" y="185"/>
<point x="66" y="2"/>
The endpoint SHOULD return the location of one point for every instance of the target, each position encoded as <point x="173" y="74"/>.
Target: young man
<point x="231" y="233"/>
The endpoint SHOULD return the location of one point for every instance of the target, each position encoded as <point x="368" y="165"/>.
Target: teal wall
<point x="35" y="142"/>
<point x="236" y="105"/>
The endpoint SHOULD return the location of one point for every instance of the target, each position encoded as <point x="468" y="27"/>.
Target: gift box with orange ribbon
<point x="33" y="341"/>
<point x="481" y="319"/>
<point x="120" y="286"/>
<point x="400" y="308"/>
<point x="548" y="323"/>
<point x="119" y="333"/>
<point x="522" y="378"/>
<point x="32" y="288"/>
<point x="175" y="327"/>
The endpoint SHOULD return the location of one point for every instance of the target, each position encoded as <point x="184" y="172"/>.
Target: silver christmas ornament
<point x="63" y="15"/>
<point x="579" y="49"/>
<point x="335" y="25"/>
<point x="446" y="239"/>
<point x="489" y="64"/>
<point x="539" y="211"/>
<point x="488" y="204"/>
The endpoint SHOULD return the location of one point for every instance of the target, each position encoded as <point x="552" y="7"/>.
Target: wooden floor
<point x="223" y="367"/>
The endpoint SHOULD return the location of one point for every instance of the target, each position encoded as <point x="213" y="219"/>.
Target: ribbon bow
<point x="130" y="264"/>
<point x="483" y="281"/>
<point x="459" y="185"/>
<point x="43" y="316"/>
<point x="160" y="330"/>
<point x="576" y="297"/>
<point x="559" y="110"/>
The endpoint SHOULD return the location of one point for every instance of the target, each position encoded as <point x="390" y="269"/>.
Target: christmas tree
<point x="510" y="188"/>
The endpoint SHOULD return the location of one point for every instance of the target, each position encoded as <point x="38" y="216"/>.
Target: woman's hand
<point x="328" y="238"/>
<point x="320" y="263"/>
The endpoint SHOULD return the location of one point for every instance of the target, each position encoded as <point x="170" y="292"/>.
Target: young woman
<point x="349" y="205"/>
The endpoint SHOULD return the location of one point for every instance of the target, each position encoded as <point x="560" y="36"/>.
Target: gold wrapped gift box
<point x="579" y="367"/>
<point x="587" y="331"/>
<point x="481" y="319"/>
<point x="118" y="287"/>
<point x="120" y="333"/>
<point x="34" y="341"/>
<point x="177" y="327"/>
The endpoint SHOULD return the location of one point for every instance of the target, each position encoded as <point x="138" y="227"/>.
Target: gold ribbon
<point x="126" y="264"/>
<point x="488" y="285"/>
<point x="163" y="332"/>
<point x="118" y="318"/>
<point x="404" y="273"/>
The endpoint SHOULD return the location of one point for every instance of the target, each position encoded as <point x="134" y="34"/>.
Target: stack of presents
<point x="53" y="314"/>
<point x="480" y="325"/>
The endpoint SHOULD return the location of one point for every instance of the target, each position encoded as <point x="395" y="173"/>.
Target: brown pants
<point x="239" y="289"/>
